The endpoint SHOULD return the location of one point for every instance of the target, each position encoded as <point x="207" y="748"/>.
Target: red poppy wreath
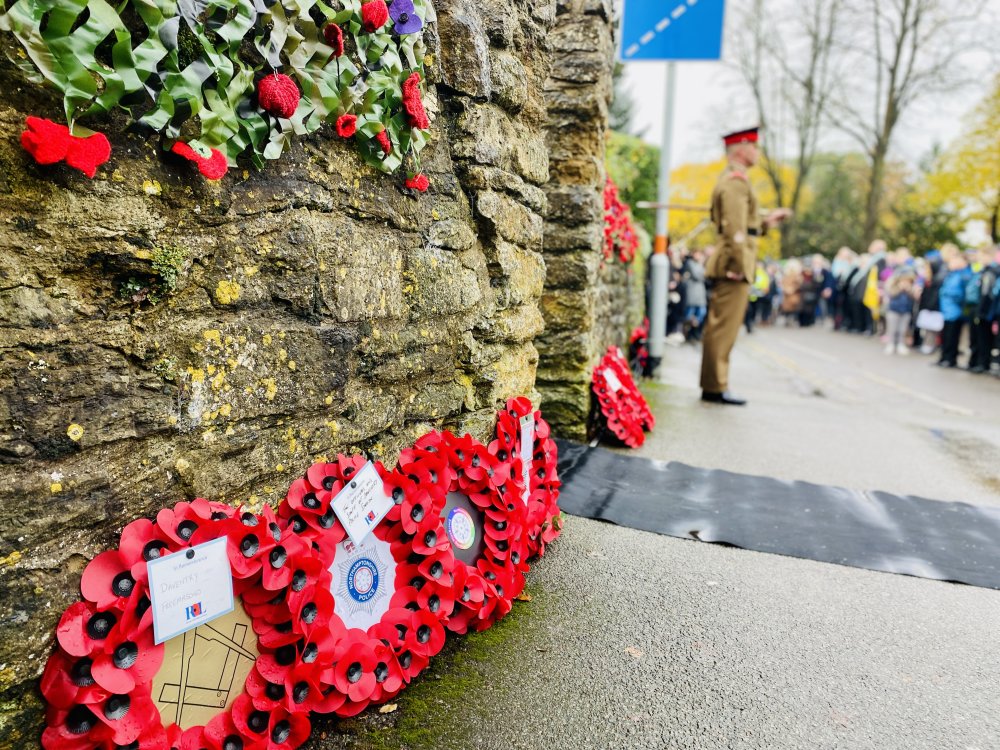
<point x="523" y="439"/>
<point x="622" y="404"/>
<point x="365" y="618"/>
<point x="483" y="520"/>
<point x="109" y="686"/>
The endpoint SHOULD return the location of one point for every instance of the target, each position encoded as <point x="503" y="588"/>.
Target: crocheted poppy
<point x="347" y="125"/>
<point x="626" y="414"/>
<point x="213" y="167"/>
<point x="383" y="141"/>
<point x="278" y="95"/>
<point x="334" y="36"/>
<point x="87" y="154"/>
<point x="50" y="143"/>
<point x="418" y="182"/>
<point x="404" y="17"/>
<point x="46" y="141"/>
<point x="374" y="14"/>
<point x="412" y="103"/>
<point x="535" y="464"/>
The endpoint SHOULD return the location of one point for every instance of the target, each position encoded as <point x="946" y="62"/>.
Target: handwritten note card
<point x="362" y="503"/>
<point x="612" y="380"/>
<point x="189" y="588"/>
<point x="527" y="449"/>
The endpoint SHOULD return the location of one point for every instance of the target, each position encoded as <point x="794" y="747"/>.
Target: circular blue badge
<point x="362" y="580"/>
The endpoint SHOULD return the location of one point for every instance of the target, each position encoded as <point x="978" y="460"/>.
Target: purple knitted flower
<point x="404" y="17"/>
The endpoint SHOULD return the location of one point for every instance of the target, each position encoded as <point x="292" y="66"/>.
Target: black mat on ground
<point x="914" y="536"/>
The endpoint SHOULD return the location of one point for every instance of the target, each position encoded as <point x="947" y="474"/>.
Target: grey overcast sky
<point x="710" y="101"/>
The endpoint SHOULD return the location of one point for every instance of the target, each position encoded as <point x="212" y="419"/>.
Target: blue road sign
<point x="672" y="30"/>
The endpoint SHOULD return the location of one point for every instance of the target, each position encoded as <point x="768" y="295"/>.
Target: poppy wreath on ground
<point x="484" y="522"/>
<point x="625" y="411"/>
<point x="108" y="686"/>
<point x="364" y="619"/>
<point x="239" y="79"/>
<point x="539" y="475"/>
<point x="638" y="348"/>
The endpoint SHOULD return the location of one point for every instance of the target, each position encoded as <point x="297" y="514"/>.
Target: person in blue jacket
<point x="953" y="303"/>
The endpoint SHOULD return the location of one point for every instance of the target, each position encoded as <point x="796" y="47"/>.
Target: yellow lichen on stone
<point x="11" y="559"/>
<point x="291" y="364"/>
<point x="266" y="339"/>
<point x="55" y="487"/>
<point x="210" y="368"/>
<point x="151" y="187"/>
<point x="251" y="271"/>
<point x="226" y="409"/>
<point x="227" y="292"/>
<point x="282" y="355"/>
<point x="182" y="465"/>
<point x="270" y="388"/>
<point x="196" y="374"/>
<point x="213" y="335"/>
<point x="74" y="432"/>
<point x="328" y="400"/>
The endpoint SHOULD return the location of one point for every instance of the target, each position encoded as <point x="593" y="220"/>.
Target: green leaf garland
<point x="189" y="69"/>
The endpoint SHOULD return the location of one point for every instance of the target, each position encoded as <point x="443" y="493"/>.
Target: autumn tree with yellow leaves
<point x="965" y="178"/>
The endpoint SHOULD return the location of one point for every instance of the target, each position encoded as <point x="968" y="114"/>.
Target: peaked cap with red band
<point x="750" y="135"/>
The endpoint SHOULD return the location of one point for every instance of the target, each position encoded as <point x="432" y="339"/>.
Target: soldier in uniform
<point x="732" y="267"/>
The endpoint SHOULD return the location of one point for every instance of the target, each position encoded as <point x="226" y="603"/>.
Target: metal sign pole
<point x="659" y="263"/>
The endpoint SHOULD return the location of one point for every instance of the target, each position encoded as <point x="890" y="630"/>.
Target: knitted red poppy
<point x="213" y="167"/>
<point x="50" y="143"/>
<point x="278" y="95"/>
<point x="413" y="104"/>
<point x="347" y="125"/>
<point x="627" y="415"/>
<point x="99" y="681"/>
<point x="384" y="143"/>
<point x="418" y="182"/>
<point x="334" y="36"/>
<point x="374" y="14"/>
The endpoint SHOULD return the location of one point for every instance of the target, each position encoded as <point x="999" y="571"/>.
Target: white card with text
<point x="612" y="380"/>
<point x="189" y="588"/>
<point x="362" y="503"/>
<point x="527" y="449"/>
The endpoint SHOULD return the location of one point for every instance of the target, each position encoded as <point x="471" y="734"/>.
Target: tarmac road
<point x="634" y="640"/>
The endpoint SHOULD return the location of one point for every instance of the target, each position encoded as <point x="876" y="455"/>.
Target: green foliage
<point x="168" y="263"/>
<point x="190" y="69"/>
<point x="633" y="164"/>
<point x="622" y="105"/>
<point x="835" y="216"/>
<point x="923" y="229"/>
<point x="166" y="368"/>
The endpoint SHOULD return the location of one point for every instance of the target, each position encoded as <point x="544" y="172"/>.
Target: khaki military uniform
<point x="735" y="215"/>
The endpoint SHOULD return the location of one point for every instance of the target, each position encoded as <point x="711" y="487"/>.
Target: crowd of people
<point x="945" y="302"/>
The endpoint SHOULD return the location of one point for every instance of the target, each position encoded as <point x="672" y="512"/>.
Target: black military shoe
<point x="722" y="398"/>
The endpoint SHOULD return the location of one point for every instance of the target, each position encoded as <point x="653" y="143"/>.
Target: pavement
<point x="635" y="640"/>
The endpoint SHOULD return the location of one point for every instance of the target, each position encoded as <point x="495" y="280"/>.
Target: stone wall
<point x="587" y="301"/>
<point x="317" y="308"/>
